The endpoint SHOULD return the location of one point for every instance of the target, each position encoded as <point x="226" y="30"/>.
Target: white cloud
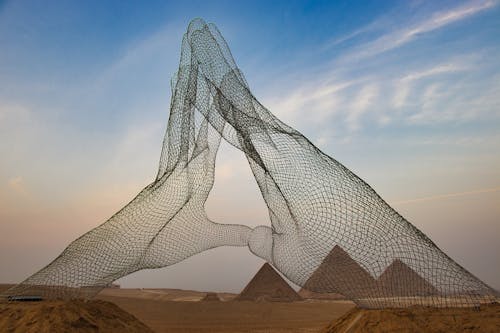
<point x="311" y="102"/>
<point x="360" y="104"/>
<point x="401" y="92"/>
<point x="403" y="86"/>
<point x="399" y="37"/>
<point x="439" y="69"/>
<point x="341" y="92"/>
<point x="375" y="25"/>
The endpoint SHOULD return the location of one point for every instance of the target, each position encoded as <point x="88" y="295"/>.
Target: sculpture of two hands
<point x="314" y="202"/>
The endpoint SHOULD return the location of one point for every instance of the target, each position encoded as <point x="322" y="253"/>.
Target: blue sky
<point x="404" y="93"/>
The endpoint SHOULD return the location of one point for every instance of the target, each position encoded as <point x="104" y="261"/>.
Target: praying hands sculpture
<point x="329" y="231"/>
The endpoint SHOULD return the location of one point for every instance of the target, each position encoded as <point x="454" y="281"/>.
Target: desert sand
<point x="172" y="310"/>
<point x="153" y="308"/>
<point x="419" y="319"/>
<point x="67" y="316"/>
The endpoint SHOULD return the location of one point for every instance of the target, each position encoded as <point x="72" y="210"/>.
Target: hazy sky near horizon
<point x="404" y="93"/>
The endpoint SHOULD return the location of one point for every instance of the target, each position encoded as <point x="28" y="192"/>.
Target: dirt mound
<point x="268" y="285"/>
<point x="67" y="316"/>
<point x="211" y="297"/>
<point x="419" y="319"/>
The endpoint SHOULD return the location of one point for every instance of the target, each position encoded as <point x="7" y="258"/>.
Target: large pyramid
<point x="268" y="285"/>
<point x="400" y="280"/>
<point x="339" y="273"/>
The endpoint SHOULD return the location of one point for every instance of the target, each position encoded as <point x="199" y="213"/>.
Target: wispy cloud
<point x="398" y="37"/>
<point x="403" y="86"/>
<point x="314" y="101"/>
<point x="422" y="92"/>
<point x="360" y="104"/>
<point x="373" y="26"/>
<point x="435" y="70"/>
<point x="446" y="196"/>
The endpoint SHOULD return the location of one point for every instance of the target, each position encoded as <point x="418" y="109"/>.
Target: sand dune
<point x="67" y="316"/>
<point x="419" y="319"/>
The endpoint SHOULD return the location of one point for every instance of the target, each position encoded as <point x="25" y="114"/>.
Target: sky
<point x="404" y="93"/>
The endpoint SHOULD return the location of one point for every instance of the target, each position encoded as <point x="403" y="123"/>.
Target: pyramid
<point x="339" y="273"/>
<point x="268" y="285"/>
<point x="400" y="280"/>
<point x="211" y="297"/>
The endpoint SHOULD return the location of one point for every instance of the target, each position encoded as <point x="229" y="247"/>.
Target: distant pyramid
<point x="400" y="280"/>
<point x="339" y="273"/>
<point x="268" y="285"/>
<point x="211" y="297"/>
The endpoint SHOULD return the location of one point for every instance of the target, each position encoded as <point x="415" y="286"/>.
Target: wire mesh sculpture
<point x="330" y="232"/>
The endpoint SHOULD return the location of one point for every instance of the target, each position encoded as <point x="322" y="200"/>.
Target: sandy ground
<point x="67" y="316"/>
<point x="419" y="319"/>
<point x="4" y="286"/>
<point x="171" y="310"/>
<point x="167" y="310"/>
<point x="163" y="294"/>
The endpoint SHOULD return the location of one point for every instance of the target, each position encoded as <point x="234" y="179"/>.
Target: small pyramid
<point x="268" y="285"/>
<point x="211" y="297"/>
<point x="339" y="273"/>
<point x="400" y="280"/>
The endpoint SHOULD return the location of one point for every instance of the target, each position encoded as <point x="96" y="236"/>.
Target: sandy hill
<point x="419" y="319"/>
<point x="67" y="316"/>
<point x="268" y="285"/>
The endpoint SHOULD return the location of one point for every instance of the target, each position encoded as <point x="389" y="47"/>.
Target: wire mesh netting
<point x="329" y="232"/>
